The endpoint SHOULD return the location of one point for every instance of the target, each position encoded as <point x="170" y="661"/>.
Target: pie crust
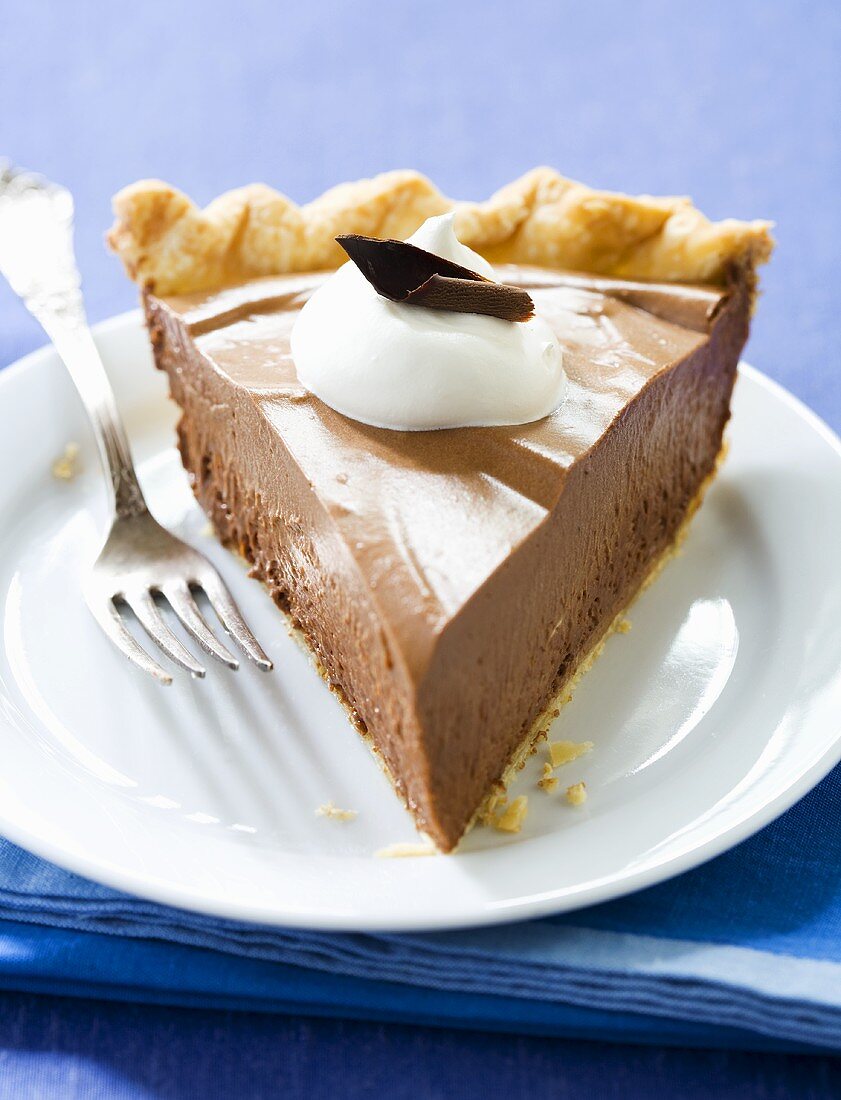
<point x="170" y="246"/>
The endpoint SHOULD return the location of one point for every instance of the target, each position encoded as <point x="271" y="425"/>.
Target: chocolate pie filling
<point x="451" y="583"/>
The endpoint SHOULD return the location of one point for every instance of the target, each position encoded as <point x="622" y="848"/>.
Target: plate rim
<point x="488" y="912"/>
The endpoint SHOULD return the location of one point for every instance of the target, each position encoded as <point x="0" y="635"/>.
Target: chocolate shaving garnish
<point x="405" y="273"/>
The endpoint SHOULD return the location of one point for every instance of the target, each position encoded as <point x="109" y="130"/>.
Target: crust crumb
<point x="405" y="851"/>
<point x="623" y="626"/>
<point x="547" y="781"/>
<point x="494" y="803"/>
<point x="512" y="817"/>
<point x="576" y="795"/>
<point x="563" y="752"/>
<point x="327" y="809"/>
<point x="65" y="467"/>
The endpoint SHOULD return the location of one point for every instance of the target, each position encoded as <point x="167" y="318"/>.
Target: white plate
<point x="718" y="710"/>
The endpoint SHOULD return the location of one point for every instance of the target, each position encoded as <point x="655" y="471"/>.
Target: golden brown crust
<point x="168" y="244"/>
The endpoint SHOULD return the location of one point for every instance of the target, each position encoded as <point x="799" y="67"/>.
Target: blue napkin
<point x="745" y="951"/>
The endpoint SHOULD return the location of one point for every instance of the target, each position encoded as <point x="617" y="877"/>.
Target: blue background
<point x="736" y="103"/>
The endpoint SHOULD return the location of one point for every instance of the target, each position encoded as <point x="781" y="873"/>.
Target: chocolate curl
<point x="404" y="273"/>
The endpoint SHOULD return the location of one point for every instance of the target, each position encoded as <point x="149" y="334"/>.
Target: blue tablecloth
<point x="72" y="1049"/>
<point x="744" y="952"/>
<point x="736" y="103"/>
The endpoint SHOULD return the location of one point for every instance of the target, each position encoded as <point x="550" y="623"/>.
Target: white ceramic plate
<point x="715" y="713"/>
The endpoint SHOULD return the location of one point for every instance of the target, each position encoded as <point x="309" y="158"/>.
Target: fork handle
<point x="61" y="313"/>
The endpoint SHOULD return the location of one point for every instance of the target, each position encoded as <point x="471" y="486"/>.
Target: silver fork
<point x="140" y="559"/>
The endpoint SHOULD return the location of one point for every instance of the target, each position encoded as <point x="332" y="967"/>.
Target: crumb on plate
<point x="513" y="815"/>
<point x="327" y="809"/>
<point x="494" y="803"/>
<point x="405" y="850"/>
<point x="65" y="467"/>
<point x="547" y="781"/>
<point x="563" y="752"/>
<point x="576" y="795"/>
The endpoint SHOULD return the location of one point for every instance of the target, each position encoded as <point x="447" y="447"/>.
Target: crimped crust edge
<point x="170" y="246"/>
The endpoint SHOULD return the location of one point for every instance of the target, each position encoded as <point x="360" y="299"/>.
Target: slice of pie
<point x="452" y="585"/>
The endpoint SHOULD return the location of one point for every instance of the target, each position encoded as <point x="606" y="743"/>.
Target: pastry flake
<point x="576" y="795"/>
<point x="564" y="752"/>
<point x="405" y="851"/>
<point x="512" y="817"/>
<point x="66" y="465"/>
<point x="547" y="782"/>
<point x="327" y="809"/>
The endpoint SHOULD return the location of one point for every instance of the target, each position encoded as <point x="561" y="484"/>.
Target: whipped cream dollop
<point x="409" y="368"/>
